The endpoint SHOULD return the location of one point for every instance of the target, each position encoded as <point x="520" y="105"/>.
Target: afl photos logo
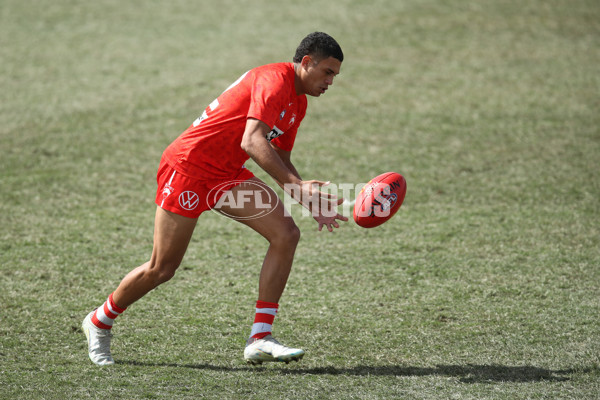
<point x="188" y="200"/>
<point x="254" y="196"/>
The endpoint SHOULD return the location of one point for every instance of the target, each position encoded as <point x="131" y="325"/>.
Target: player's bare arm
<point x="329" y="222"/>
<point x="286" y="157"/>
<point x="259" y="149"/>
<point x="278" y="165"/>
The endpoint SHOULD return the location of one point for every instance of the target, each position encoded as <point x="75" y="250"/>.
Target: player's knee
<point x="165" y="275"/>
<point x="288" y="236"/>
<point x="161" y="272"/>
<point x="294" y="233"/>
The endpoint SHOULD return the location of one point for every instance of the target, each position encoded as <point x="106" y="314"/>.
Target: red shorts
<point x="190" y="197"/>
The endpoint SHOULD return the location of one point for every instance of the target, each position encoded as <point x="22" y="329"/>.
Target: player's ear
<point x="306" y="61"/>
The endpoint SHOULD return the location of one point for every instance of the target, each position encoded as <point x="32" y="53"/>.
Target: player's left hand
<point x="329" y="217"/>
<point x="323" y="206"/>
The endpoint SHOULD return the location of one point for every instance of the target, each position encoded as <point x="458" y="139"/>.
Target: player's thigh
<point x="258" y="206"/>
<point x="172" y="234"/>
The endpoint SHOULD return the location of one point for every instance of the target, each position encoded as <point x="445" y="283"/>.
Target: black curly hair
<point x="319" y="45"/>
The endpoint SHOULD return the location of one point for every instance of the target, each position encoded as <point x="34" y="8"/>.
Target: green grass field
<point x="485" y="285"/>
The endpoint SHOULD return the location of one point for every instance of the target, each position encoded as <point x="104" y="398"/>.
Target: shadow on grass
<point x="469" y="373"/>
<point x="465" y="373"/>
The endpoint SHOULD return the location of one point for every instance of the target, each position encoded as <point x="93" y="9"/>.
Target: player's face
<point x="318" y="75"/>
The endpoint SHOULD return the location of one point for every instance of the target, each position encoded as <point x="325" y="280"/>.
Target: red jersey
<point x="211" y="147"/>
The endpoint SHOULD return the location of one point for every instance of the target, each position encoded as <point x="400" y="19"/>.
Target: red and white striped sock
<point x="104" y="316"/>
<point x="263" y="319"/>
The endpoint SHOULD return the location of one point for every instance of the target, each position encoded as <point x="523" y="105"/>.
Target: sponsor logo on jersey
<point x="276" y="132"/>
<point x="188" y="200"/>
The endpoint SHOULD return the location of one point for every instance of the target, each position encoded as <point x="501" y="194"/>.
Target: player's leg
<point x="276" y="227"/>
<point x="172" y="234"/>
<point x="280" y="230"/>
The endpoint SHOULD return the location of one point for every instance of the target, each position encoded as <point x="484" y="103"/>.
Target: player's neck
<point x="298" y="79"/>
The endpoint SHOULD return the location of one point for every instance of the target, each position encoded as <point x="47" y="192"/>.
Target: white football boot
<point x="98" y="342"/>
<point x="258" y="351"/>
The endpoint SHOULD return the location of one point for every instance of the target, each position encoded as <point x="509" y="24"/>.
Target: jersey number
<point x="215" y="102"/>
